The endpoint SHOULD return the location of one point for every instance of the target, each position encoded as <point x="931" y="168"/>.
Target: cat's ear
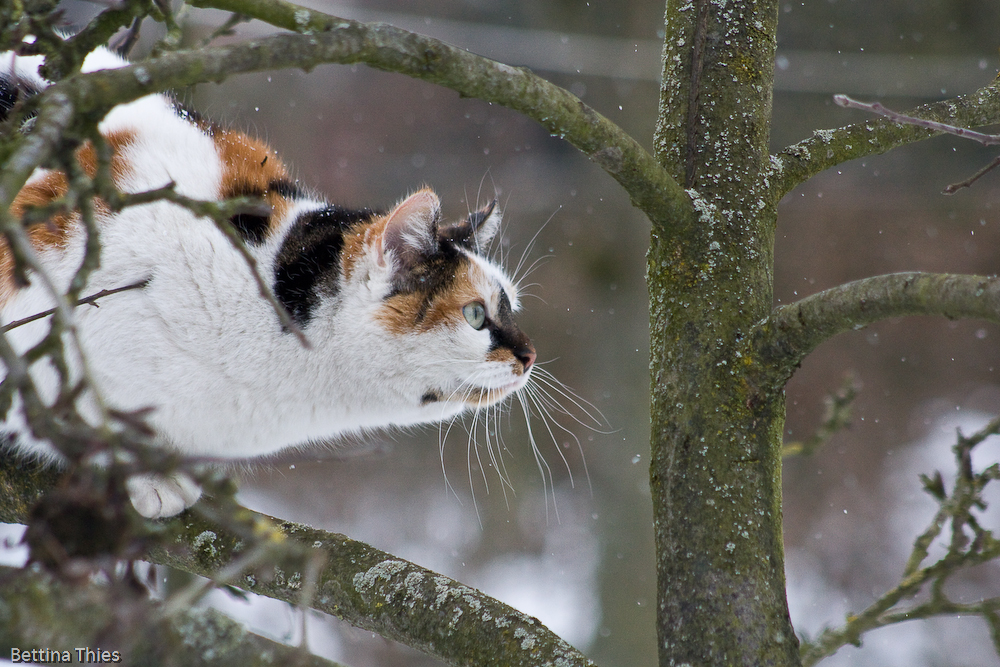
<point x="476" y="231"/>
<point x="411" y="229"/>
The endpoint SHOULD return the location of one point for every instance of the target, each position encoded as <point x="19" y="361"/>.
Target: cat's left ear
<point x="476" y="231"/>
<point x="410" y="229"/>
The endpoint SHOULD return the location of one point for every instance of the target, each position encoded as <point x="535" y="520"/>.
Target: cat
<point x="408" y="321"/>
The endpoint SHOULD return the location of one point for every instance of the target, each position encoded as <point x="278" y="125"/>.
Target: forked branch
<point x="906" y="119"/>
<point x="801" y="161"/>
<point x="92" y="300"/>
<point x="968" y="545"/>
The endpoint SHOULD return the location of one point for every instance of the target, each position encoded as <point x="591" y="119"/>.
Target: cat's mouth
<point x="483" y="396"/>
<point x="477" y="397"/>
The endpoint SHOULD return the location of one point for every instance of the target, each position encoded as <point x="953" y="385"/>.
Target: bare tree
<point x="721" y="352"/>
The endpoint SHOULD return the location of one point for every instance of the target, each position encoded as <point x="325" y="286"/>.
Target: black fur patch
<point x="504" y="331"/>
<point x="285" y="188"/>
<point x="253" y="227"/>
<point x="432" y="396"/>
<point x="308" y="264"/>
<point x="464" y="233"/>
<point x="13" y="91"/>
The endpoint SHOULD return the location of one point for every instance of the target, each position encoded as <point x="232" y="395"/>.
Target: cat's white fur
<point x="204" y="350"/>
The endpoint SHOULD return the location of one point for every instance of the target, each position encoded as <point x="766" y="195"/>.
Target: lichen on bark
<point x="716" y="471"/>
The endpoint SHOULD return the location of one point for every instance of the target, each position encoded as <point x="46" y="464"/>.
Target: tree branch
<point x="328" y="39"/>
<point x="40" y="610"/>
<point x="965" y="133"/>
<point x="958" y="509"/>
<point x="837" y="416"/>
<point x="792" y="331"/>
<point x="799" y="162"/>
<point x="366" y="587"/>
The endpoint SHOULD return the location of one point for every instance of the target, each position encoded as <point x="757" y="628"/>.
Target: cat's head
<point x="449" y="307"/>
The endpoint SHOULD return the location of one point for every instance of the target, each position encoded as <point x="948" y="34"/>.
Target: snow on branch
<point x="905" y="119"/>
<point x="799" y="162"/>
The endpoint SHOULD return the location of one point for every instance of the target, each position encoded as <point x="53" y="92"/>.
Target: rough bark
<point x="715" y="436"/>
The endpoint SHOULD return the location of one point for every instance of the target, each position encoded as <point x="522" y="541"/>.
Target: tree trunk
<point x="716" y="432"/>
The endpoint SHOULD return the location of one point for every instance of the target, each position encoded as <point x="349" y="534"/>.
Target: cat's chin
<point x="486" y="396"/>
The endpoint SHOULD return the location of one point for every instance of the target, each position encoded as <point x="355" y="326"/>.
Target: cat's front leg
<point x="159" y="496"/>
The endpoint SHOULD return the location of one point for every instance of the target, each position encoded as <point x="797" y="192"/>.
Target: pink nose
<point x="526" y="356"/>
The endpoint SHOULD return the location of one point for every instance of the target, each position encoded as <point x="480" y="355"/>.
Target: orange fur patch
<point x="250" y="166"/>
<point x="401" y="313"/>
<point x="355" y="243"/>
<point x="48" y="189"/>
<point x="507" y="357"/>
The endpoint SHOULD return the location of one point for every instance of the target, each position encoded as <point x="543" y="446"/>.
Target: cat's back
<point x="197" y="326"/>
<point x="154" y="143"/>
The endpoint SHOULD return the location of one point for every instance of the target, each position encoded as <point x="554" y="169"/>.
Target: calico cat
<point x="408" y="321"/>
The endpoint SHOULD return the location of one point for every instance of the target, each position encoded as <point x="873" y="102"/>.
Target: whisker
<point x="555" y="441"/>
<point x="482" y="180"/>
<point x="547" y="382"/>
<point x="442" y="439"/>
<point x="548" y="482"/>
<point x="535" y="265"/>
<point x="497" y="459"/>
<point x="468" y="454"/>
<point x="540" y="404"/>
<point x="531" y="243"/>
<point x="502" y="447"/>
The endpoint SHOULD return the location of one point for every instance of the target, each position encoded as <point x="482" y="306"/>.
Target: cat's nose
<point x="526" y="355"/>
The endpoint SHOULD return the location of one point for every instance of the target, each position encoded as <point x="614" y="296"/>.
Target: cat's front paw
<point x="156" y="496"/>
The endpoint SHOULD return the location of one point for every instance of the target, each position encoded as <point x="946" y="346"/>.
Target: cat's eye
<point x="475" y="314"/>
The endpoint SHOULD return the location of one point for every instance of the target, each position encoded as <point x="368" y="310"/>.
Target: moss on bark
<point x="716" y="435"/>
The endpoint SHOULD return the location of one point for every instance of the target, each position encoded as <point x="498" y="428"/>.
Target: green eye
<point x="475" y="315"/>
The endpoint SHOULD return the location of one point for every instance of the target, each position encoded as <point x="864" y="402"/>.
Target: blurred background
<point x="571" y="542"/>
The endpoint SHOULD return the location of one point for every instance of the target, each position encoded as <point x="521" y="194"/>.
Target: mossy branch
<point x="801" y="161"/>
<point x="368" y="588"/>
<point x="328" y="39"/>
<point x="40" y="610"/>
<point x="792" y="331"/>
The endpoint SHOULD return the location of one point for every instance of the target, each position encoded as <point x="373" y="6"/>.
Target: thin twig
<point x="955" y="187"/>
<point x="936" y="126"/>
<point x="837" y="416"/>
<point x="962" y="554"/>
<point x="80" y="302"/>
<point x="896" y="117"/>
<point x="220" y="213"/>
<point x="802" y="160"/>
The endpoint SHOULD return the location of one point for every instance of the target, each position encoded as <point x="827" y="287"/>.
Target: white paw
<point x="155" y="496"/>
